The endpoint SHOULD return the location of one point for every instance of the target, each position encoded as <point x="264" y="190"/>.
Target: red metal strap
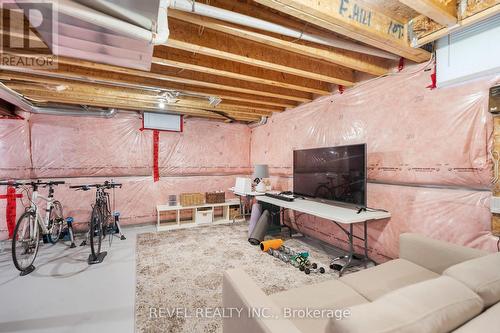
<point x="433" y="84"/>
<point x="11" y="209"/>
<point x="401" y="64"/>
<point x="156" y="144"/>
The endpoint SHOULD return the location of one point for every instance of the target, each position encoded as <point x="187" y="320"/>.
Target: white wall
<point x="470" y="53"/>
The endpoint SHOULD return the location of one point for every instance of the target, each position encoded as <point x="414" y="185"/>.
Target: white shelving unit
<point x="195" y="210"/>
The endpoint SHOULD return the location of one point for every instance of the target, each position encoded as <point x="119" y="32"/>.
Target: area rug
<point x="181" y="271"/>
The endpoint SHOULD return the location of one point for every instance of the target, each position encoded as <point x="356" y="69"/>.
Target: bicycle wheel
<point x="96" y="231"/>
<point x="56" y="222"/>
<point x="25" y="241"/>
<point x="324" y="192"/>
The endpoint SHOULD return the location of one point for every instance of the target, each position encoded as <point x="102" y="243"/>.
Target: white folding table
<point x="245" y="195"/>
<point x="343" y="217"/>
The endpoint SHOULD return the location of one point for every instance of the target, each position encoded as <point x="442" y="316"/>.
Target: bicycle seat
<point x="69" y="219"/>
<point x="116" y="214"/>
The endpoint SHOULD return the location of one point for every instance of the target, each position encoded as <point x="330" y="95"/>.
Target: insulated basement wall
<point x="207" y="156"/>
<point x="418" y="139"/>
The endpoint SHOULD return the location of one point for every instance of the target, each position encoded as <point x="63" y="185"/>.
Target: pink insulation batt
<point x="428" y="156"/>
<point x="207" y="156"/>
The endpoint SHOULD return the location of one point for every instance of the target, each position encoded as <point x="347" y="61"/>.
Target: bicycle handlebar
<point x="32" y="183"/>
<point x="87" y="187"/>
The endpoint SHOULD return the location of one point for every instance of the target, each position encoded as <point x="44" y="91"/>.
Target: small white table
<point x="343" y="217"/>
<point x="193" y="223"/>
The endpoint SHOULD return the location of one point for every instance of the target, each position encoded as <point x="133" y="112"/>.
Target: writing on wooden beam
<point x="357" y="13"/>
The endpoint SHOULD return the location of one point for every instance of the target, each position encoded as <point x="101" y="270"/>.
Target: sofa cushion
<point x="332" y="294"/>
<point x="482" y="275"/>
<point x="434" y="306"/>
<point x="485" y="322"/>
<point x="379" y="280"/>
<point x="433" y="254"/>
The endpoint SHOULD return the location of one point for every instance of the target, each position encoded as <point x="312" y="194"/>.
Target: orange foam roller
<point x="274" y="244"/>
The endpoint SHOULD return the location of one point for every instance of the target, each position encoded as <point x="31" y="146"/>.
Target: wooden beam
<point x="443" y="12"/>
<point x="363" y="63"/>
<point x="200" y="63"/>
<point x="51" y="84"/>
<point x="224" y="83"/>
<point x="40" y="97"/>
<point x="421" y="26"/>
<point x="97" y="77"/>
<point x="91" y="94"/>
<point x="476" y="7"/>
<point x="355" y="20"/>
<point x="112" y="103"/>
<point x="186" y="37"/>
<point x="250" y="8"/>
<point x="199" y="79"/>
<point x="436" y="31"/>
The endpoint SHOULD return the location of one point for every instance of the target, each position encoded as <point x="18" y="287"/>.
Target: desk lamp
<point x="260" y="172"/>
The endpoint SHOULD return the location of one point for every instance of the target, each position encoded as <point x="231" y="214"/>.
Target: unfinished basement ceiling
<point x="253" y="69"/>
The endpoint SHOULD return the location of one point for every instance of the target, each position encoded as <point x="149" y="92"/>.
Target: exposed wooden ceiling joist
<point x="353" y="19"/>
<point x="201" y="63"/>
<point x="441" y="11"/>
<point x="392" y="8"/>
<point x="426" y="31"/>
<point x="112" y="103"/>
<point x="113" y="79"/>
<point x="353" y="60"/>
<point x="253" y="9"/>
<point x="188" y="77"/>
<point x="126" y="104"/>
<point x="218" y="82"/>
<point x="254" y="72"/>
<point x="209" y="80"/>
<point x="187" y="37"/>
<point x="90" y="94"/>
<point x="55" y="85"/>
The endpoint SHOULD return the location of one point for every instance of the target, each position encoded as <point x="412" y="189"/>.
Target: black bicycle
<point x="102" y="221"/>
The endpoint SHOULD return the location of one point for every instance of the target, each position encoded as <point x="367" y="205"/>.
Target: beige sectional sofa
<point x="433" y="287"/>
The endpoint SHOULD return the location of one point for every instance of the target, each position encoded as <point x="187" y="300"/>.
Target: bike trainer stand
<point x="97" y="260"/>
<point x="28" y="270"/>
<point x="117" y="222"/>
<point x="69" y="223"/>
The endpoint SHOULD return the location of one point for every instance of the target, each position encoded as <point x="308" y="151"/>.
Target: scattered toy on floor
<point x="298" y="260"/>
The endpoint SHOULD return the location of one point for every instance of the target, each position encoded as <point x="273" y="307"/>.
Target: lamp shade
<point x="261" y="171"/>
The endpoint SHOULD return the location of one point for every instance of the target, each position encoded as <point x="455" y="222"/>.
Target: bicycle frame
<point x="34" y="208"/>
<point x="102" y="222"/>
<point x="25" y="245"/>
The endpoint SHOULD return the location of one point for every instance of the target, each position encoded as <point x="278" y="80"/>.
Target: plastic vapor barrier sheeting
<point x="76" y="147"/>
<point x="14" y="149"/>
<point x="207" y="156"/>
<point x="417" y="138"/>
<point x="414" y="135"/>
<point x="458" y="216"/>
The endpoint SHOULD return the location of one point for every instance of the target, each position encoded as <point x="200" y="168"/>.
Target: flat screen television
<point x="332" y="175"/>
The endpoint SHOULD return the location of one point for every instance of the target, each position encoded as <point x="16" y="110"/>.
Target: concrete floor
<point x="65" y="294"/>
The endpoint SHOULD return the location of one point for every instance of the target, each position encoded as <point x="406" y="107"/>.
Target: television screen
<point x="335" y="174"/>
